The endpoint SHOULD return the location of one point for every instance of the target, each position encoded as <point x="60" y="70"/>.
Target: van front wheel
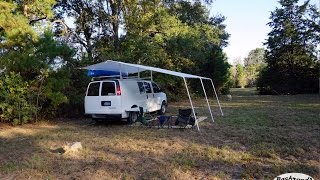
<point x="133" y="117"/>
<point x="163" y="108"/>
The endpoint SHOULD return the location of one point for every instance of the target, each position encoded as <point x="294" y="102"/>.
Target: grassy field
<point x="258" y="137"/>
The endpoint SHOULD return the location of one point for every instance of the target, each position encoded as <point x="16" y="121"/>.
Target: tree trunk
<point x="115" y="6"/>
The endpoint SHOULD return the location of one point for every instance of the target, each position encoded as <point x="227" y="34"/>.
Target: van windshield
<point x="94" y="89"/>
<point x="108" y="89"/>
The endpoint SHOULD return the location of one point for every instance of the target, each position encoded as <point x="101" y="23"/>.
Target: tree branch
<point x="67" y="29"/>
<point x="36" y="20"/>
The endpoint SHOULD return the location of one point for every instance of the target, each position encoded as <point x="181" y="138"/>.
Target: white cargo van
<point x="121" y="98"/>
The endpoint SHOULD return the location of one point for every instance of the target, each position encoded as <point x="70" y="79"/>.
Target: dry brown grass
<point x="259" y="137"/>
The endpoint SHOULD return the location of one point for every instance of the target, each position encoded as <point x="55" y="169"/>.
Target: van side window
<point x="94" y="89"/>
<point x="141" y="88"/>
<point x="156" y="88"/>
<point x="147" y="87"/>
<point x="108" y="89"/>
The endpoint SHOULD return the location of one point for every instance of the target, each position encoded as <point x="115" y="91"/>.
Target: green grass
<point x="258" y="137"/>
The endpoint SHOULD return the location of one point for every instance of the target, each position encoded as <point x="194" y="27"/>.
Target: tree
<point x="253" y="64"/>
<point x="291" y="50"/>
<point x="177" y="39"/>
<point x="34" y="71"/>
<point x="17" y="19"/>
<point x="14" y="104"/>
<point x="176" y="35"/>
<point x="241" y="80"/>
<point x="255" y="56"/>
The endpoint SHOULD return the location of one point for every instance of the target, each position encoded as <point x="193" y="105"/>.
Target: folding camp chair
<point x="162" y="120"/>
<point x="144" y="118"/>
<point x="184" y="118"/>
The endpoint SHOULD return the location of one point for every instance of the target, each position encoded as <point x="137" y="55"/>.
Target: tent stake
<point x="205" y="94"/>
<point x="214" y="89"/>
<point x="194" y="113"/>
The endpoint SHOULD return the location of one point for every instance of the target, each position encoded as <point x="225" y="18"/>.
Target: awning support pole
<point x="194" y="113"/>
<point x="205" y="94"/>
<point x="138" y="73"/>
<point x="214" y="89"/>
<point x="151" y="76"/>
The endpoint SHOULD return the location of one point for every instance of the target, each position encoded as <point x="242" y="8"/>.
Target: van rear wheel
<point x="133" y="117"/>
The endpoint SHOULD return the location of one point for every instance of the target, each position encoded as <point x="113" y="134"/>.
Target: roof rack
<point x="103" y="77"/>
<point x="118" y="77"/>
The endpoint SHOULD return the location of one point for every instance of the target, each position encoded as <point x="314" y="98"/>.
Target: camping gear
<point x="162" y="120"/>
<point x="185" y="118"/>
<point x="143" y="117"/>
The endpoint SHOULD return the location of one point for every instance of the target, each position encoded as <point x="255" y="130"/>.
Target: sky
<point x="246" y="22"/>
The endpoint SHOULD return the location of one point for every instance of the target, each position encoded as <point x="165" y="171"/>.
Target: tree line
<point x="44" y="42"/>
<point x="290" y="64"/>
<point x="245" y="72"/>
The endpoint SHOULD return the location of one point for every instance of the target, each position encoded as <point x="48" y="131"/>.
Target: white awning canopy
<point x="129" y="68"/>
<point x="110" y="65"/>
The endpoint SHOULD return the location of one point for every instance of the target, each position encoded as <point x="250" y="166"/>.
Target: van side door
<point x="143" y="96"/>
<point x="150" y="104"/>
<point x="157" y="96"/>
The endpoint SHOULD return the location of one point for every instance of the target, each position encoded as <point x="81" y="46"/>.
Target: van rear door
<point x="103" y="98"/>
<point x="110" y="99"/>
<point x="92" y="99"/>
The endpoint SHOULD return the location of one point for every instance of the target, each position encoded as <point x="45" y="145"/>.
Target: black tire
<point x="163" y="108"/>
<point x="133" y="117"/>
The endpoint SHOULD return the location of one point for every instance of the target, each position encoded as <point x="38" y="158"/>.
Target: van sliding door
<point x="150" y="102"/>
<point x="157" y="96"/>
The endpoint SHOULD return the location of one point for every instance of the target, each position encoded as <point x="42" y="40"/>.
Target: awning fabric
<point x="118" y="66"/>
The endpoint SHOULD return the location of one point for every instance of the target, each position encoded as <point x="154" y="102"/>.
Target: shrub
<point x="14" y="105"/>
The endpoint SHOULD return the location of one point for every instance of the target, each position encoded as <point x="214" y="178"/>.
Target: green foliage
<point x="38" y="64"/>
<point x="246" y="75"/>
<point x="171" y="40"/>
<point x="253" y="64"/>
<point x="241" y="78"/>
<point x="75" y="89"/>
<point x="175" y="35"/>
<point x="52" y="93"/>
<point x="190" y="13"/>
<point x="16" y="18"/>
<point x="15" y="106"/>
<point x="255" y="57"/>
<point x="291" y="53"/>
